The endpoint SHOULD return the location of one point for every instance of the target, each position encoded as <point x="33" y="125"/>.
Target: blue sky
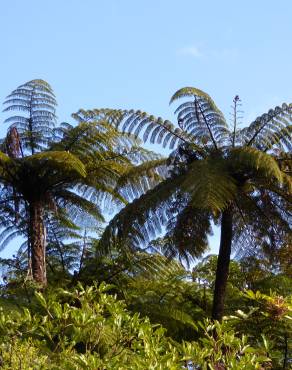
<point x="136" y="54"/>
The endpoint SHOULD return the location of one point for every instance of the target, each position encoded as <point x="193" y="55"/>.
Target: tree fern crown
<point x="36" y="103"/>
<point x="213" y="167"/>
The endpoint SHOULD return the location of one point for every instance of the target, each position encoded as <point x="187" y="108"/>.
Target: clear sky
<point x="136" y="54"/>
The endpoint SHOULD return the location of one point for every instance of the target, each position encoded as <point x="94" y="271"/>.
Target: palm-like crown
<point x="212" y="167"/>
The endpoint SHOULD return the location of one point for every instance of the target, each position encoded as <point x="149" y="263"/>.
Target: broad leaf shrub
<point x="90" y="329"/>
<point x="268" y="319"/>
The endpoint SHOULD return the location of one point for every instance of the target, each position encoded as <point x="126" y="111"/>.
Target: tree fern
<point x="68" y="170"/>
<point x="235" y="177"/>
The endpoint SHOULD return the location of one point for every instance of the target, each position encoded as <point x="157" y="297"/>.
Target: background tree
<point x="233" y="177"/>
<point x="64" y="171"/>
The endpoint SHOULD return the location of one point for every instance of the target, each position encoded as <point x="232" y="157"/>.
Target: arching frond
<point x="187" y="234"/>
<point x="147" y="126"/>
<point x="136" y="180"/>
<point x="77" y="206"/>
<point x="47" y="170"/>
<point x="253" y="162"/>
<point x="160" y="290"/>
<point x="37" y="102"/>
<point x="142" y="219"/>
<point x="201" y="117"/>
<point x="156" y="266"/>
<point x="269" y="129"/>
<point x="280" y="139"/>
<point x="262" y="221"/>
<point x="85" y="138"/>
<point x="210" y="185"/>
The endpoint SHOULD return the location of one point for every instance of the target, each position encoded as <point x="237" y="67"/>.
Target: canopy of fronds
<point x="70" y="169"/>
<point x="213" y="166"/>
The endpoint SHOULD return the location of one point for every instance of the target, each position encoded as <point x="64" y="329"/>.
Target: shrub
<point x="90" y="329"/>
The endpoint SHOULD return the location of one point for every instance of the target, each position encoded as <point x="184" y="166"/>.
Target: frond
<point x="270" y="128"/>
<point x="137" y="155"/>
<point x="160" y="291"/>
<point x="55" y="166"/>
<point x="192" y="91"/>
<point x="249" y="161"/>
<point x="9" y="237"/>
<point x="156" y="266"/>
<point x="142" y="220"/>
<point x="37" y="102"/>
<point x="76" y="205"/>
<point x="113" y="117"/>
<point x="140" y="123"/>
<point x="8" y="167"/>
<point x="201" y="117"/>
<point x="262" y="221"/>
<point x="280" y="139"/>
<point x="187" y="234"/>
<point x="210" y="185"/>
<point x="84" y="138"/>
<point x="136" y="180"/>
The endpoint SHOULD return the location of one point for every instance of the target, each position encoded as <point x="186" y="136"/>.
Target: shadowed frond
<point x="55" y="166"/>
<point x="187" y="234"/>
<point x="142" y="219"/>
<point x="77" y="206"/>
<point x="7" y="168"/>
<point x="210" y="185"/>
<point x="263" y="221"/>
<point x="253" y="162"/>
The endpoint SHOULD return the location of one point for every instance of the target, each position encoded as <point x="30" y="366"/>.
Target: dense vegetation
<point x="130" y="294"/>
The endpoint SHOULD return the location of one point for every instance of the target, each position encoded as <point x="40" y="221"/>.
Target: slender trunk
<point x="82" y="254"/>
<point x="29" y="267"/>
<point x="222" y="265"/>
<point x="37" y="242"/>
<point x="285" y="353"/>
<point x="61" y="253"/>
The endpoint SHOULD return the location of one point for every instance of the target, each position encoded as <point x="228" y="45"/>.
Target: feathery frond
<point x="264" y="130"/>
<point x="36" y="100"/>
<point x="201" y="117"/>
<point x="211" y="170"/>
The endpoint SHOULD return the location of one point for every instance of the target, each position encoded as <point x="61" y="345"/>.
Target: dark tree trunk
<point x="222" y="265"/>
<point x="37" y="242"/>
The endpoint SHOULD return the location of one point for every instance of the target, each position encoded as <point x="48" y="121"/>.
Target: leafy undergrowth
<point x="90" y="329"/>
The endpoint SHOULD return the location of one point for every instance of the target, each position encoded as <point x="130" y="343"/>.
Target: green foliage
<point x="220" y="348"/>
<point x="74" y="170"/>
<point x="213" y="167"/>
<point x="204" y="272"/>
<point x="268" y="318"/>
<point x="162" y="290"/>
<point x="89" y="329"/>
<point x="36" y="103"/>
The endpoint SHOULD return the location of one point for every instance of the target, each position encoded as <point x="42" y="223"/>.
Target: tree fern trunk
<point x="222" y="265"/>
<point x="37" y="242"/>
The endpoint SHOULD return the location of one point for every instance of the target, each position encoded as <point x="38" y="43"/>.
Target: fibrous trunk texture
<point x="222" y="265"/>
<point x="38" y="242"/>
